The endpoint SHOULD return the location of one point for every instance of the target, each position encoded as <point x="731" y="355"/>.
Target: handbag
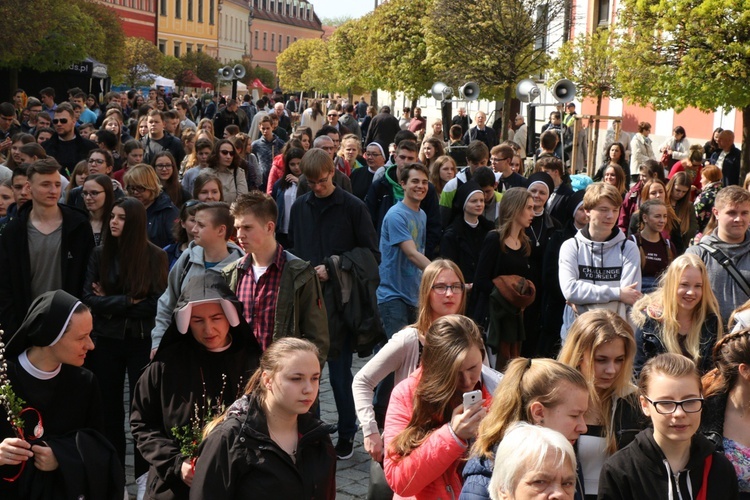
<point x="517" y="290"/>
<point x="377" y="488"/>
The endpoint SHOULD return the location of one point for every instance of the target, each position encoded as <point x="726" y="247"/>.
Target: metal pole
<point x="234" y="88"/>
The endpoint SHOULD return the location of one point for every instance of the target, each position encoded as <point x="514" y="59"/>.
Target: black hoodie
<point x="641" y="471"/>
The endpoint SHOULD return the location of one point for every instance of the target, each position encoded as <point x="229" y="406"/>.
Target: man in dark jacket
<point x="67" y="146"/>
<point x="728" y="159"/>
<point x="46" y="247"/>
<point x="328" y="222"/>
<point x="383" y="128"/>
<point x="227" y="116"/>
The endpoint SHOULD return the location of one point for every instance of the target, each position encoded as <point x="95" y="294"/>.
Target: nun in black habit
<point x="55" y="451"/>
<point x="205" y="358"/>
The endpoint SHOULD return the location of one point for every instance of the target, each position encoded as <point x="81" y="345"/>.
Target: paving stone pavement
<point x="351" y="476"/>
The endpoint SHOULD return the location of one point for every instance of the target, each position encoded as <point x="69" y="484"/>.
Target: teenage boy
<point x="159" y="140"/>
<point x="726" y="251"/>
<point x="402" y="247"/>
<point x="45" y="247"/>
<point x="210" y="251"/>
<point x="280" y="292"/>
<point x="267" y="147"/>
<point x="501" y="157"/>
<point x="599" y="267"/>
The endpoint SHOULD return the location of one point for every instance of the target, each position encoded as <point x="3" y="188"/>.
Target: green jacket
<point x="300" y="309"/>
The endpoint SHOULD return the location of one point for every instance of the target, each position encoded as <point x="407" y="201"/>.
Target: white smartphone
<point x="472" y="398"/>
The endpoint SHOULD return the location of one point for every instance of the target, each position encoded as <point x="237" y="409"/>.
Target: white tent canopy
<point x="164" y="82"/>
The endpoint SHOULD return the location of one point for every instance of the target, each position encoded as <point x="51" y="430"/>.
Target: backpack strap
<point x="728" y="265"/>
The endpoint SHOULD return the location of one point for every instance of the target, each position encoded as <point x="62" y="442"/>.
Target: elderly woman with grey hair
<point x="533" y="462"/>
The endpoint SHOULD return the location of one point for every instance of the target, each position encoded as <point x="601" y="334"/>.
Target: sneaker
<point x="344" y="448"/>
<point x="141" y="483"/>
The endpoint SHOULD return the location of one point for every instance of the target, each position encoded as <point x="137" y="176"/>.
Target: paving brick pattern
<point x="352" y="475"/>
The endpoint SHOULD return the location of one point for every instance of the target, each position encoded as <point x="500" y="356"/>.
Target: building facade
<point x="188" y="25"/>
<point x="138" y="17"/>
<point x="278" y="23"/>
<point x="234" y="33"/>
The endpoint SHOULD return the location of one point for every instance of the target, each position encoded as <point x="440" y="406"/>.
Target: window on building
<point x="280" y="43"/>
<point x="163" y="46"/>
<point x="287" y="41"/>
<point x="188" y="47"/>
<point x="163" y="7"/>
<point x="178" y="9"/>
<point x="265" y="40"/>
<point x="190" y="9"/>
<point x="273" y="42"/>
<point x="177" y="49"/>
<point x="200" y="11"/>
<point x="288" y="7"/>
<point x="294" y="14"/>
<point x="256" y="39"/>
<point x="602" y="13"/>
<point x="295" y="38"/>
<point x="255" y="3"/>
<point x="212" y="12"/>
<point x="200" y="47"/>
<point x="542" y="16"/>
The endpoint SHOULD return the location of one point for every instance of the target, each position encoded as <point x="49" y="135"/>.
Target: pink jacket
<point x="276" y="173"/>
<point x="429" y="472"/>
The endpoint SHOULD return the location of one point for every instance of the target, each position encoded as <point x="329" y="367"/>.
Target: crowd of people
<point x="208" y="259"/>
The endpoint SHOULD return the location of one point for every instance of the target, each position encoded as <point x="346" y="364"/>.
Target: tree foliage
<point x="680" y="53"/>
<point x="350" y="71"/>
<point x="202" y="65"/>
<point x="300" y="65"/>
<point x="105" y="43"/>
<point x="171" y="67"/>
<point x="142" y="62"/>
<point x="264" y="75"/>
<point x="495" y="43"/>
<point x="335" y="21"/>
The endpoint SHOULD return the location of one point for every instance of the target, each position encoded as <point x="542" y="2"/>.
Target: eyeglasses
<point x="136" y="189"/>
<point x="456" y="289"/>
<point x="368" y="153"/>
<point x="97" y="161"/>
<point x="60" y="120"/>
<point x="497" y="160"/>
<point x="320" y="182"/>
<point x="91" y="194"/>
<point x="163" y="166"/>
<point x="229" y="152"/>
<point x="668" y="407"/>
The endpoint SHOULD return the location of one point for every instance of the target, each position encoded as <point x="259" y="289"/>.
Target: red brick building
<point x="138" y="17"/>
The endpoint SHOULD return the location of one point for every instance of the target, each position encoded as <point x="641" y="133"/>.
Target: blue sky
<point x="339" y="8"/>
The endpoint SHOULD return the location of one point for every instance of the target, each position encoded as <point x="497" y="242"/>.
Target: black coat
<point x="461" y="244"/>
<point x="558" y="207"/>
<point x="15" y="288"/>
<point x="161" y="216"/>
<point x="167" y="143"/>
<point x="382" y="129"/>
<point x="114" y="314"/>
<point x="640" y="471"/>
<point x="731" y="166"/>
<point x="239" y="460"/>
<point x="68" y="162"/>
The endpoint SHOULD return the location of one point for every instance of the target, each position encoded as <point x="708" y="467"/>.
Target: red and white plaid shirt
<point x="259" y="299"/>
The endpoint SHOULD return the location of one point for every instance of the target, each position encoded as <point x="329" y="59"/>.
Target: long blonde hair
<point x="661" y="305"/>
<point x="447" y="343"/>
<point x="513" y="202"/>
<point x="526" y="381"/>
<point x="588" y="332"/>
<point x="429" y="276"/>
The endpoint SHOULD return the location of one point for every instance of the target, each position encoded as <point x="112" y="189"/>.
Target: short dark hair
<point x="407" y="145"/>
<point x="349" y="108"/>
<point x="21" y="170"/>
<point x="402" y="135"/>
<point x="108" y="138"/>
<point x="404" y="175"/>
<point x="257" y="203"/>
<point x="220" y="215"/>
<point x="327" y="129"/>
<point x="484" y="176"/>
<point x="550" y="163"/>
<point x="44" y="166"/>
<point x="7" y="109"/>
<point x="79" y="95"/>
<point x="48" y="91"/>
<point x="156" y="112"/>
<point x="65" y="107"/>
<point x="455" y="132"/>
<point x="232" y="129"/>
<point x="549" y="139"/>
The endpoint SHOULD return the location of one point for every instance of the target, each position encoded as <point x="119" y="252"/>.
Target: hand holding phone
<point x="472" y="398"/>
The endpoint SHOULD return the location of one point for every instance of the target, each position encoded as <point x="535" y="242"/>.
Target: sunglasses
<point x="227" y="152"/>
<point x="60" y="120"/>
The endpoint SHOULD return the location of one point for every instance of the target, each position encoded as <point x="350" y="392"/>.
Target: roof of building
<point x="310" y="23"/>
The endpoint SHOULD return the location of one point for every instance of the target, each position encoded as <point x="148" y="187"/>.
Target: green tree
<point x="680" y="53"/>
<point x="495" y="43"/>
<point x="171" y="67"/>
<point x="335" y="21"/>
<point x="142" y="61"/>
<point x="265" y="75"/>
<point x="202" y="65"/>
<point x="589" y="61"/>
<point x="349" y="72"/>
<point x="295" y="62"/>
<point x="106" y="43"/>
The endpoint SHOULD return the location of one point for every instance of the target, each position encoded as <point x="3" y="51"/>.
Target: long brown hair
<point x="172" y="185"/>
<point x="142" y="265"/>
<point x="447" y="343"/>
<point x="683" y="208"/>
<point x="729" y="353"/>
<point x="514" y="200"/>
<point x="429" y="276"/>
